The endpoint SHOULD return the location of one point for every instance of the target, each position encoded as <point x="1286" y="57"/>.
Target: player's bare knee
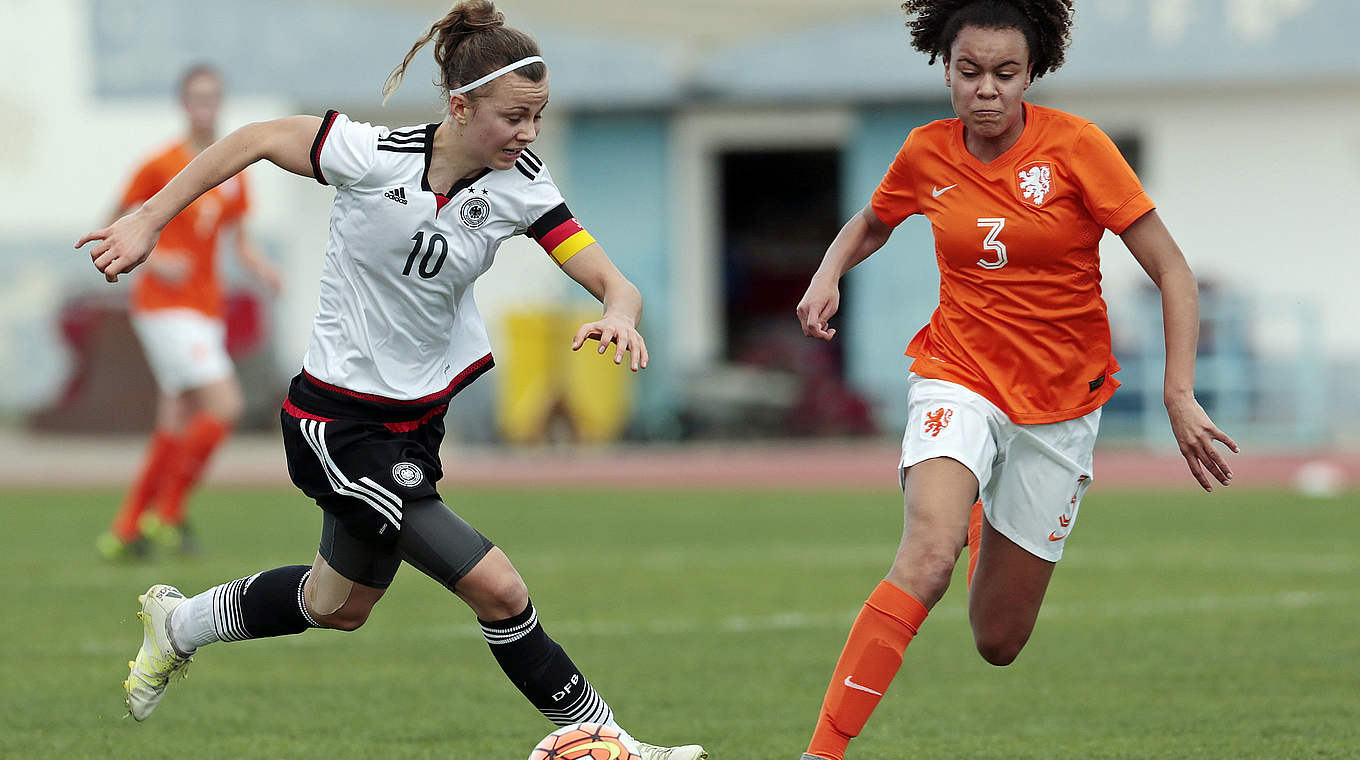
<point x="231" y="413"/>
<point x="999" y="655"/>
<point x="502" y="596"/>
<point x="494" y="589"/>
<point x="346" y="619"/>
<point x="349" y="616"/>
<point x="925" y="576"/>
<point x="999" y="649"/>
<point x="227" y="407"/>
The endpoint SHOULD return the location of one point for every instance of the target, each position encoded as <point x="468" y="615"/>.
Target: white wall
<point x="1259" y="185"/>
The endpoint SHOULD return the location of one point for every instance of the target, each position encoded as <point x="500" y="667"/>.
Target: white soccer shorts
<point x="185" y="348"/>
<point x="1031" y="477"/>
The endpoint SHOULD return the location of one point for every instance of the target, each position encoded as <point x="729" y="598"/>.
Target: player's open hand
<point x="1195" y="435"/>
<point x="122" y="245"/>
<point x="820" y="303"/>
<point x="619" y="331"/>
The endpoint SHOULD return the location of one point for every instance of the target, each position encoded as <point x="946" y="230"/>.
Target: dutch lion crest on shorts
<point x="937" y="421"/>
<point x="1036" y="183"/>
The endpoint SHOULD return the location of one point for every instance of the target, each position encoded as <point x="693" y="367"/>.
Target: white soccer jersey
<point x="396" y="317"/>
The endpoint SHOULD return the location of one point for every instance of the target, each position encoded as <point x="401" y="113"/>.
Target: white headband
<point x="502" y="70"/>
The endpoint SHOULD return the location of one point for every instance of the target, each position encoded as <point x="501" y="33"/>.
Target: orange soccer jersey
<point x="1021" y="320"/>
<point x="192" y="234"/>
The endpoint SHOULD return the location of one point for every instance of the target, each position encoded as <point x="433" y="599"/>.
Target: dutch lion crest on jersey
<point x="1036" y="183"/>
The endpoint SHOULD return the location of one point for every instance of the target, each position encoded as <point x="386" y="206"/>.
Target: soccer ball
<point x="584" y="741"/>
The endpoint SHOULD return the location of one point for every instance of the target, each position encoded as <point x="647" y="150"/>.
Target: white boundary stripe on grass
<point x="786" y="621"/>
<point x="783" y="621"/>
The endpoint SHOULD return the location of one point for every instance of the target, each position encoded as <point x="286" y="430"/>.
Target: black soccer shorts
<point x="360" y="460"/>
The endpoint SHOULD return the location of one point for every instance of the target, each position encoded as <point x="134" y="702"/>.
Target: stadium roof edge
<point x="1117" y="44"/>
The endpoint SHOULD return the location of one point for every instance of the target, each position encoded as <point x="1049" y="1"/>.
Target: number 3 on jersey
<point x="429" y="265"/>
<point x="997" y="223"/>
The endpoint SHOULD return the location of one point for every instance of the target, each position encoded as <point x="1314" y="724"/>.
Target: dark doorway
<point x="780" y="210"/>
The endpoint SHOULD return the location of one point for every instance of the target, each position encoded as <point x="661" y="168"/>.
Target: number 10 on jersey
<point x="429" y="265"/>
<point x="996" y="223"/>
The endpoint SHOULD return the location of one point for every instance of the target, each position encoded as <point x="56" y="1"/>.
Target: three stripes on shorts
<point x="383" y="501"/>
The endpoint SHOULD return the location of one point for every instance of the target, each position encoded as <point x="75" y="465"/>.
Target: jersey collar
<point x="1005" y="159"/>
<point x="458" y="186"/>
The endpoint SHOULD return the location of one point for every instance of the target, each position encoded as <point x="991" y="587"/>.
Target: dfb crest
<point x="474" y="212"/>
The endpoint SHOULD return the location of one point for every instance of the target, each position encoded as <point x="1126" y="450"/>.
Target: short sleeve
<point x="344" y="151"/>
<point x="148" y="181"/>
<point x="1110" y="189"/>
<point x="540" y="195"/>
<point x="895" y="198"/>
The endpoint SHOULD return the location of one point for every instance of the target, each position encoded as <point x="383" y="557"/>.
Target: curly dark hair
<point x="1046" y="24"/>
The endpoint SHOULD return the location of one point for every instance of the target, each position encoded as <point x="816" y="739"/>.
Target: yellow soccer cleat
<point x="157" y="661"/>
<point x="169" y="537"/>
<point x="114" y="549"/>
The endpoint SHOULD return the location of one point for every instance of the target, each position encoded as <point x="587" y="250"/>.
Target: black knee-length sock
<point x="543" y="672"/>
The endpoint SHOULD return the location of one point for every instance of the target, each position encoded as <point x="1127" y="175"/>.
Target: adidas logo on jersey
<point x="397" y="194"/>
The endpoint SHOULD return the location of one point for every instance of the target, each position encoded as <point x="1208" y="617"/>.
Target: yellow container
<point x="543" y="380"/>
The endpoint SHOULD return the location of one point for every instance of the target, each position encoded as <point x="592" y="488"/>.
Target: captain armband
<point x="560" y="234"/>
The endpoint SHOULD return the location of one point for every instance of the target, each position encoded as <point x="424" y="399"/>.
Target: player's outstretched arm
<point x="592" y="268"/>
<point x="857" y="241"/>
<point x="1156" y="251"/>
<point x="126" y="243"/>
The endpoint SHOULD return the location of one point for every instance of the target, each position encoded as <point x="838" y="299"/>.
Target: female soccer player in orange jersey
<point x="1009" y="376"/>
<point x="176" y="310"/>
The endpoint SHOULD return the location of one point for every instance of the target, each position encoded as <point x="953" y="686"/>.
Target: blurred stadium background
<point x="714" y="147"/>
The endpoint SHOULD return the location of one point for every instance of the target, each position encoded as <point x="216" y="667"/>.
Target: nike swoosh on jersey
<point x="938" y="191"/>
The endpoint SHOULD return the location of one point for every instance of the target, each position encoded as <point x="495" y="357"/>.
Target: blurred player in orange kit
<point x="1009" y="376"/>
<point x="176" y="311"/>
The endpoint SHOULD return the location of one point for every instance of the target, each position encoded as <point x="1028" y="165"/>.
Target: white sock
<point x="191" y="624"/>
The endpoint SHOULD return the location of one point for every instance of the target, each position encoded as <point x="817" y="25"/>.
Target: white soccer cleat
<point x="157" y="661"/>
<point x="687" y="752"/>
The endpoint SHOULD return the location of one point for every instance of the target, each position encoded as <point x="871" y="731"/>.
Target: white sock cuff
<point x="191" y="624"/>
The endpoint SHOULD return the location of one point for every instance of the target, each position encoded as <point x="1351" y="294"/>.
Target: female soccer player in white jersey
<point x="418" y="215"/>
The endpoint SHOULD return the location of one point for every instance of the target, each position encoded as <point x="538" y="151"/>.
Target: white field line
<point x="794" y="621"/>
<point x="784" y="621"/>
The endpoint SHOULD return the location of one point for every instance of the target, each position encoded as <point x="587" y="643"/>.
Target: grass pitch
<point x="1179" y="625"/>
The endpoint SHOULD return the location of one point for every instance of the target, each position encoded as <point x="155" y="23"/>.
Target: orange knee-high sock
<point x="974" y="539"/>
<point x="200" y="439"/>
<point x="870" y="659"/>
<point x="160" y="454"/>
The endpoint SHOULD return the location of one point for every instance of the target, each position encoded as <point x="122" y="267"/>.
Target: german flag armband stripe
<point x="560" y="234"/>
